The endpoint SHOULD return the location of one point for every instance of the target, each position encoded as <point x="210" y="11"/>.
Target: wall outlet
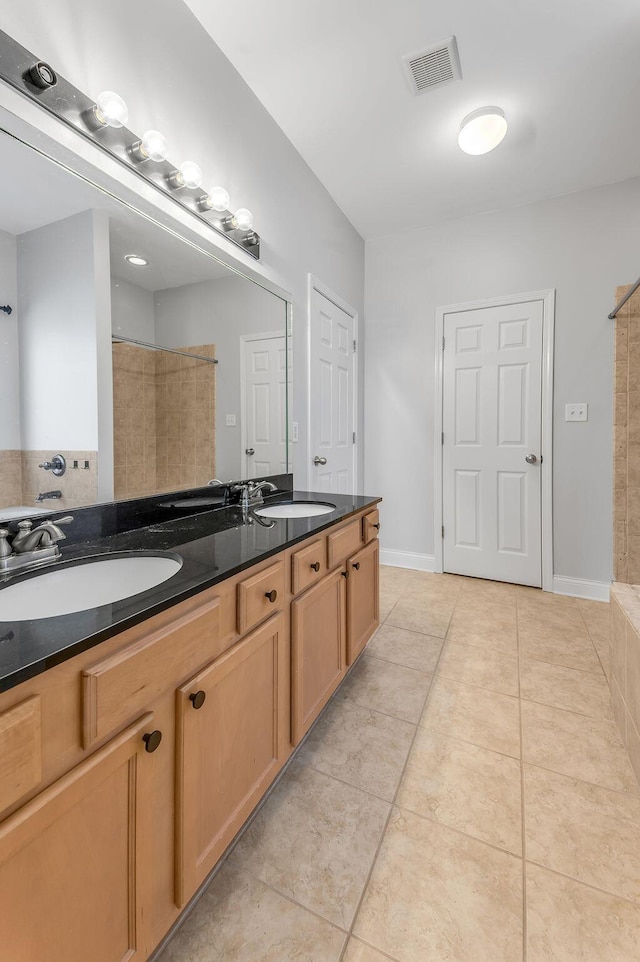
<point x="231" y="420"/>
<point x="576" y="412"/>
<point x="294" y="431"/>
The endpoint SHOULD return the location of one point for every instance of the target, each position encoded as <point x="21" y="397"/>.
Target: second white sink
<point x="295" y="509"/>
<point x="101" y="581"/>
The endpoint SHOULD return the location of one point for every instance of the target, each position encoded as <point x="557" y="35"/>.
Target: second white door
<point x="491" y="466"/>
<point x="264" y="418"/>
<point x="332" y="397"/>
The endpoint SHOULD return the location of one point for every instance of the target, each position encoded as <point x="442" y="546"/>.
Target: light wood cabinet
<point x="363" y="594"/>
<point x="318" y="645"/>
<point x="102" y="844"/>
<point x="68" y="862"/>
<point x="232" y="738"/>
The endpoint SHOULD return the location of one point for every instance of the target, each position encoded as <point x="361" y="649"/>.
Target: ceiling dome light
<point x="136" y="260"/>
<point x="152" y="146"/>
<point x="482" y="130"/>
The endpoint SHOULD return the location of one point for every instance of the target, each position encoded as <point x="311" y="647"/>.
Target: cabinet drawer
<point x="260" y="596"/>
<point x="343" y="543"/>
<point x="121" y="686"/>
<point x="370" y="526"/>
<point x="307" y="566"/>
<point x="20" y="750"/>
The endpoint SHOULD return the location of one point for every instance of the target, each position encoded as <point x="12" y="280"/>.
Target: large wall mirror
<point x="139" y="359"/>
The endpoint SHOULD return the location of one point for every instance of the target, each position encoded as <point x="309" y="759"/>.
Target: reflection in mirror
<point x="86" y="277"/>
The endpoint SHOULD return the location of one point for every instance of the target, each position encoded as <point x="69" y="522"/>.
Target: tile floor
<point x="465" y="797"/>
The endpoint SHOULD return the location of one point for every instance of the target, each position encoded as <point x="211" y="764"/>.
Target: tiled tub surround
<point x="625" y="666"/>
<point x="22" y="479"/>
<point x="498" y="817"/>
<point x="164" y="420"/>
<point x="626" y="428"/>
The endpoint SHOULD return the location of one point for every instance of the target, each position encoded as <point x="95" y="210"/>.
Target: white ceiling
<point x="566" y="73"/>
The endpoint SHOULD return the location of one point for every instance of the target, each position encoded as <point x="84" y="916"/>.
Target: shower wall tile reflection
<point x="164" y="420"/>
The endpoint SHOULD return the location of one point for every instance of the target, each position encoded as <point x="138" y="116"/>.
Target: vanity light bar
<point x="103" y="123"/>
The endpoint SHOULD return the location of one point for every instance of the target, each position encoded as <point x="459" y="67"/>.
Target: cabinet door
<point x="232" y="739"/>
<point x="363" y="605"/>
<point x="317" y="650"/>
<point x="68" y="881"/>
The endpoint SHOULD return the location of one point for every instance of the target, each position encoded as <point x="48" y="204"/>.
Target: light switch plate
<point x="577" y="411"/>
<point x="231" y="420"/>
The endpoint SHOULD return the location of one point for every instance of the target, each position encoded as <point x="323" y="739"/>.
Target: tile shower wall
<point x="10" y="478"/>
<point x="164" y="420"/>
<point x="79" y="485"/>
<point x="625" y="667"/>
<point x="626" y="441"/>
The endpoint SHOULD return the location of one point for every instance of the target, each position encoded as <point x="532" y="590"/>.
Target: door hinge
<point x="442" y="438"/>
<point x="442" y="532"/>
<point x="354" y="437"/>
<point x="443" y="343"/>
<point x="354" y="347"/>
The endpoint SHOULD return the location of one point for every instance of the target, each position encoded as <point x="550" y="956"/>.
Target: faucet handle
<point x="68" y="518"/>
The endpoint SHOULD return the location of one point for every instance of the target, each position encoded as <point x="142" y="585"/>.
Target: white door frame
<point x="244" y="340"/>
<point x="548" y="299"/>
<point x="316" y="285"/>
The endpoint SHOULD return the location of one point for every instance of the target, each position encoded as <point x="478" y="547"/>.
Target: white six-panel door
<point x="265" y="405"/>
<point x="492" y="416"/>
<point x="331" y="397"/>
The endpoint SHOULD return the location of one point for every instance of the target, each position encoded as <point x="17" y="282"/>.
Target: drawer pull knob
<point x="198" y="699"/>
<point x="356" y="565"/>
<point x="315" y="566"/>
<point x="152" y="740"/>
<point x="377" y="526"/>
<point x="271" y="595"/>
<point x="345" y="574"/>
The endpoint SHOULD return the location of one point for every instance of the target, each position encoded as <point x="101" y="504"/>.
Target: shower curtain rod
<point x="624" y="300"/>
<point x="118" y="338"/>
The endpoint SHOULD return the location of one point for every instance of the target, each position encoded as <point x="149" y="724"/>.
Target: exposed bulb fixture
<point x="152" y="146"/>
<point x="482" y="130"/>
<point x="110" y="110"/>
<point x="187" y="174"/>
<point x="136" y="260"/>
<point x="241" y="220"/>
<point x="215" y="199"/>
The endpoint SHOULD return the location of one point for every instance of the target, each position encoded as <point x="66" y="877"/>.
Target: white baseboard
<point x="407" y="559"/>
<point x="581" y="588"/>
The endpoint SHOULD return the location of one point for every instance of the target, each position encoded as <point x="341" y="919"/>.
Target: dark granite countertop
<point x="213" y="545"/>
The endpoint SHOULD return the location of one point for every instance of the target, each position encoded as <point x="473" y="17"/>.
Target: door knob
<point x="318" y="460"/>
<point x="531" y="459"/>
<point x="249" y="451"/>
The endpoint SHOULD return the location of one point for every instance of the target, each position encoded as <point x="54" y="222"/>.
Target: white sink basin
<point x="62" y="591"/>
<point x="295" y="509"/>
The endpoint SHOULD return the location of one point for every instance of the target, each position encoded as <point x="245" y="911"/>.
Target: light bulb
<point x="215" y="199"/>
<point x="110" y="111"/>
<point x="153" y="146"/>
<point x="191" y="173"/>
<point x="242" y="219"/>
<point x="482" y="130"/>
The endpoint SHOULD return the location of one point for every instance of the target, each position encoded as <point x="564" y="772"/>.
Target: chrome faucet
<point x="31" y="548"/>
<point x="49" y="495"/>
<point x="252" y="492"/>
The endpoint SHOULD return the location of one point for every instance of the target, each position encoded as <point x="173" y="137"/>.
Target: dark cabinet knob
<point x="315" y="566"/>
<point x="356" y="565"/>
<point x="198" y="698"/>
<point x="345" y="574"/>
<point x="152" y="740"/>
<point x="271" y="595"/>
<point x="377" y="526"/>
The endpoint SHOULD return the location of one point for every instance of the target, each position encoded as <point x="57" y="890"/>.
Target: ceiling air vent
<point x="433" y="66"/>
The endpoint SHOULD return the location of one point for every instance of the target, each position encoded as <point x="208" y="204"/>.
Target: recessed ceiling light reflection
<point x="136" y="260"/>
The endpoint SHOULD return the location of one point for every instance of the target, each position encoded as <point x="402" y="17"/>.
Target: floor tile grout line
<point x="570" y="711"/>
<point x="554" y="664"/>
<point x="583" y="781"/>
<point x="522" y="802"/>
<point x="579" y="881"/>
<point x="369" y="945"/>
<point x="458" y="831"/>
<point x="342" y="781"/>
<point x="388" y="818"/>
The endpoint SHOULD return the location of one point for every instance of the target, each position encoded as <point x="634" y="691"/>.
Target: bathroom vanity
<point x="137" y="738"/>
